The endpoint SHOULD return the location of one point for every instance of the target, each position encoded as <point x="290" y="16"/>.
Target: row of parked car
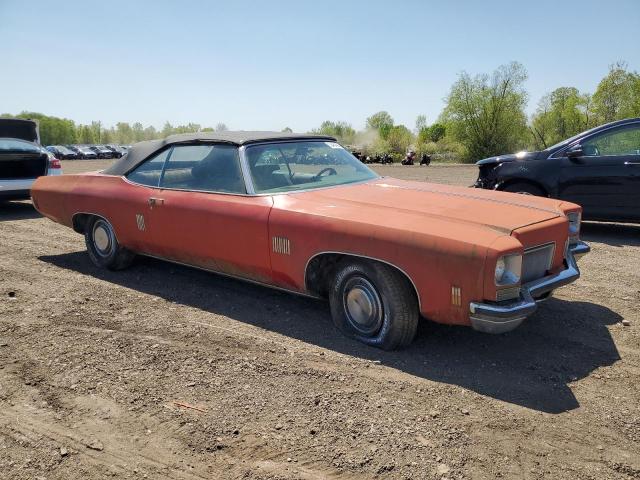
<point x="78" y="152"/>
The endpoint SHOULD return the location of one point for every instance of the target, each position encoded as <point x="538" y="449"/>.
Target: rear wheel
<point x="525" y="189"/>
<point x="375" y="304"/>
<point x="103" y="247"/>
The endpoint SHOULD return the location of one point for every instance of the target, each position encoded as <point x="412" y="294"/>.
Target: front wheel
<point x="374" y="304"/>
<point x="103" y="247"/>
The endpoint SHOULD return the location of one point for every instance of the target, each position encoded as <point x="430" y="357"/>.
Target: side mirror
<point x="575" y="151"/>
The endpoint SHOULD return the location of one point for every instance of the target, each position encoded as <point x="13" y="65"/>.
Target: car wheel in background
<point x="525" y="189"/>
<point x="103" y="246"/>
<point x="375" y="304"/>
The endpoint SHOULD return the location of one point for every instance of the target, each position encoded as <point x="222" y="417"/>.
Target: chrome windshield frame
<point x="250" y="186"/>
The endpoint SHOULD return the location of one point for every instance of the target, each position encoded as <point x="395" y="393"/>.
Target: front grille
<point x="508" y="293"/>
<point x="536" y="261"/>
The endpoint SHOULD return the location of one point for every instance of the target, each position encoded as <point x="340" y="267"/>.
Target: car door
<point x="131" y="205"/>
<point x="204" y="216"/>
<point x="605" y="179"/>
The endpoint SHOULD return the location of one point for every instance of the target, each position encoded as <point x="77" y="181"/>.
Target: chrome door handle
<point x="632" y="163"/>
<point x="155" y="201"/>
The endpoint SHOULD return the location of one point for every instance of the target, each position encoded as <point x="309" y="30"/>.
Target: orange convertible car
<point x="300" y="213"/>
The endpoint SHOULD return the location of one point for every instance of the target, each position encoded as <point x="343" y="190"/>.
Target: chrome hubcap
<point x="362" y="305"/>
<point x="102" y="238"/>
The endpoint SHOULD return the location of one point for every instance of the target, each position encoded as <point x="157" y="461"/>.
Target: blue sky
<point x="267" y="65"/>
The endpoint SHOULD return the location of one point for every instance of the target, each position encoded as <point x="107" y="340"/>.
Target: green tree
<point x="399" y="138"/>
<point x="560" y="115"/>
<point x="617" y="95"/>
<point x="382" y="122"/>
<point x="108" y="136"/>
<point x="167" y="130"/>
<point x="53" y="130"/>
<point x="421" y="122"/>
<point x="150" y="133"/>
<point x="124" y="133"/>
<point x="221" y="127"/>
<point x="486" y="113"/>
<point x="96" y="131"/>
<point x="343" y="132"/>
<point x="432" y="134"/>
<point x="86" y="135"/>
<point x="138" y="132"/>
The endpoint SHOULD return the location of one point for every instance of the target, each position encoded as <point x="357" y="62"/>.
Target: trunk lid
<point x="20" y="128"/>
<point x="20" y="159"/>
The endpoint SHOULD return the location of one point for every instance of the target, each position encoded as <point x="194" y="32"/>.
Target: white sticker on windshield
<point x="332" y="144"/>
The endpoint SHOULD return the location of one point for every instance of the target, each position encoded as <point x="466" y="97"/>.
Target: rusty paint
<point x="440" y="236"/>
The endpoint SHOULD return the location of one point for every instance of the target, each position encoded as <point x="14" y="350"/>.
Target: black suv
<point x="598" y="169"/>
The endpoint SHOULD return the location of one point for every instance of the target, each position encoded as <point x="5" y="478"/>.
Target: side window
<point x="149" y="172"/>
<point x="209" y="168"/>
<point x="622" y="141"/>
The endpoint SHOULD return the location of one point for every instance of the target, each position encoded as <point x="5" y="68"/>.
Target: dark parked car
<point x="598" y="169"/>
<point x="102" y="151"/>
<point x="63" y="153"/>
<point x="116" y="150"/>
<point x="83" y="152"/>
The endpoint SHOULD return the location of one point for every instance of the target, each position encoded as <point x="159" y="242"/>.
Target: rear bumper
<point x="17" y="189"/>
<point x="20" y="189"/>
<point x="505" y="316"/>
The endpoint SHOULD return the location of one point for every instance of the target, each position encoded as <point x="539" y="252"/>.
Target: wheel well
<point x="322" y="268"/>
<point x="514" y="181"/>
<point x="80" y="221"/>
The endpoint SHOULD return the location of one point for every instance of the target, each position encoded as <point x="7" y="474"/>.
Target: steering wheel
<point x="329" y="170"/>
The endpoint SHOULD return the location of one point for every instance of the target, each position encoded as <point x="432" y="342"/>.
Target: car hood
<point x="398" y="203"/>
<point x="511" y="157"/>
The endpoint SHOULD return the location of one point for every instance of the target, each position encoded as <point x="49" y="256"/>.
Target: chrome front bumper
<point x="505" y="316"/>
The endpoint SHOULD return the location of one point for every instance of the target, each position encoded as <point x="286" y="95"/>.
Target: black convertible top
<point x="142" y="150"/>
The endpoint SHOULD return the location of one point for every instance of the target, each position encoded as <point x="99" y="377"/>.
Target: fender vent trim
<point x="281" y="245"/>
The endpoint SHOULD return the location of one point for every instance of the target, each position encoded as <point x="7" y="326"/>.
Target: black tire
<point x="381" y="298"/>
<point x="103" y="247"/>
<point x="525" y="189"/>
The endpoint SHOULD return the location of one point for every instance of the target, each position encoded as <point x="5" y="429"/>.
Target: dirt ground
<point x="162" y="371"/>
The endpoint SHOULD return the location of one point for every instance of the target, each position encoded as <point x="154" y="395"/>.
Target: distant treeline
<point x="62" y="131"/>
<point x="484" y="115"/>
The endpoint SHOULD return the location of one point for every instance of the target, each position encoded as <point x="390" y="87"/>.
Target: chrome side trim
<point x="500" y="318"/>
<point x="228" y="275"/>
<point x="235" y="277"/>
<point x="184" y="189"/>
<point x="246" y="173"/>
<point x="306" y="267"/>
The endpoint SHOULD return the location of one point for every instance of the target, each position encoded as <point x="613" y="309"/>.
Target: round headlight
<point x="500" y="269"/>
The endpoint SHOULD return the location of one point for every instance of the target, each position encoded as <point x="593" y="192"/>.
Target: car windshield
<point x="290" y="166"/>
<point x="15" y="145"/>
